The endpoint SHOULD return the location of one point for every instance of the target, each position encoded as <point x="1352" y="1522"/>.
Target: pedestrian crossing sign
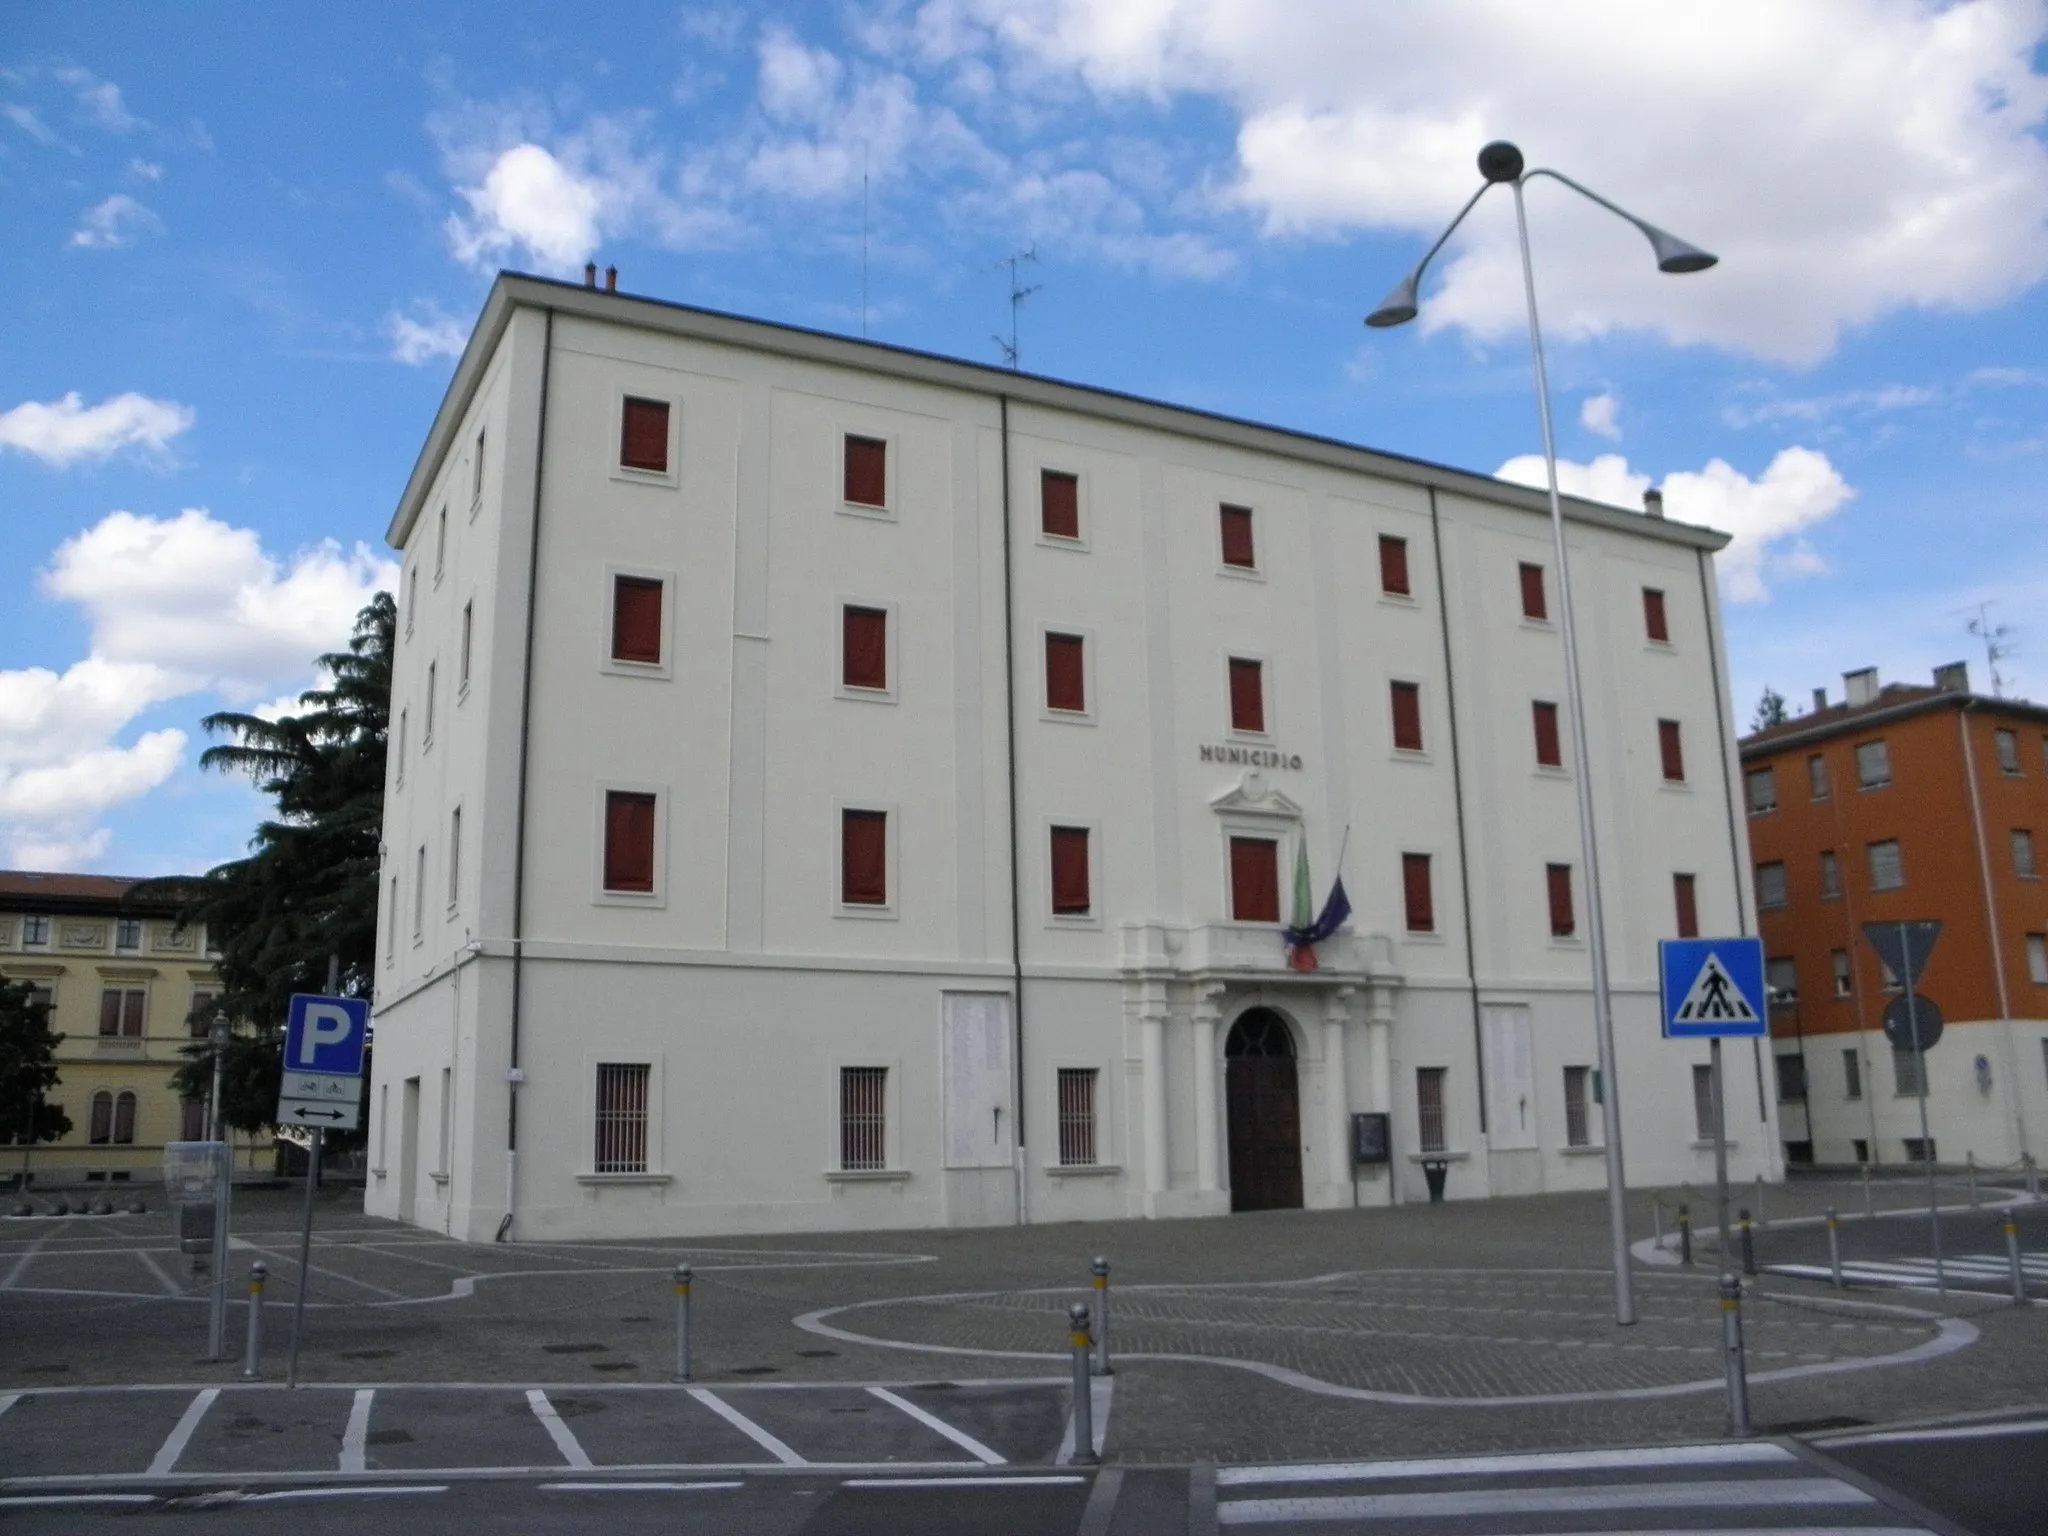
<point x="1713" y="987"/>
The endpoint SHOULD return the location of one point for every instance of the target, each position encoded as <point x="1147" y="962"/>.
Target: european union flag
<point x="1328" y="921"/>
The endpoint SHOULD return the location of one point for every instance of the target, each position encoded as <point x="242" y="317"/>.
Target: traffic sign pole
<point x="1926" y="1142"/>
<point x="291" y="1368"/>
<point x="1720" y="1151"/>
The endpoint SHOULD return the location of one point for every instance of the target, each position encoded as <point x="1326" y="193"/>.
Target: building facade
<point x="1900" y="803"/>
<point x="128" y="991"/>
<point x="834" y="786"/>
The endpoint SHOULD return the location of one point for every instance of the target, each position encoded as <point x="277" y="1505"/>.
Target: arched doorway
<point x="1263" y="1096"/>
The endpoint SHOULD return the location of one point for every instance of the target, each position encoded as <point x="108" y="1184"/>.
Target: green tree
<point x="1770" y="711"/>
<point x="308" y="889"/>
<point x="28" y="1067"/>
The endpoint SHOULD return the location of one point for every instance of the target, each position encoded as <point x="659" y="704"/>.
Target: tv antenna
<point x="1018" y="294"/>
<point x="1997" y="645"/>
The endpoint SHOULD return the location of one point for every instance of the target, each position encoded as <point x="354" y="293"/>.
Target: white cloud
<point x="1597" y="415"/>
<point x="100" y="100"/>
<point x="1766" y="517"/>
<point x="64" y="431"/>
<point x="1819" y="408"/>
<point x="91" y="782"/>
<point x="26" y="120"/>
<point x="112" y="224"/>
<point x="527" y="200"/>
<point x="147" y="170"/>
<point x="418" y="341"/>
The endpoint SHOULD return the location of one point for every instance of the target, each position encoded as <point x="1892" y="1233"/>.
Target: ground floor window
<point x="1909" y="1073"/>
<point x="621" y="1118"/>
<point x="112" y="1119"/>
<point x="1703" y="1102"/>
<point x="1077" y="1117"/>
<point x="863" y="1118"/>
<point x="1577" y="1120"/>
<point x="1429" y="1109"/>
<point x="1918" y="1151"/>
<point x="192" y="1120"/>
<point x="1852" y="1076"/>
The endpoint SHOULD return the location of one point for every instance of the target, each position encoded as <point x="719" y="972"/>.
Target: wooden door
<point x="1263" y="1097"/>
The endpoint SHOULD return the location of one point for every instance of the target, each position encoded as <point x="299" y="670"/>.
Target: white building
<point x="862" y="693"/>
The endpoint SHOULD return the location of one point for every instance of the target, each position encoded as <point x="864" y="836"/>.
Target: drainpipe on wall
<point x="2007" y="1049"/>
<point x="1443" y="605"/>
<point x="1016" y="879"/>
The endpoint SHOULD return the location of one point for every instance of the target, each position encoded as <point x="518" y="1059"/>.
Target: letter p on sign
<point x="326" y="1034"/>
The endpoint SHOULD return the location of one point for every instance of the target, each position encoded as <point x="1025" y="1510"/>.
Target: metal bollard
<point x="2033" y="1180"/>
<point x="2012" y="1255"/>
<point x="1100" y="1269"/>
<point x="682" y="1372"/>
<point x="1748" y="1245"/>
<point x="1970" y="1159"/>
<point x="1685" y="1234"/>
<point x="1731" y="1343"/>
<point x="1868" y="1212"/>
<point x="1760" y="1199"/>
<point x="1657" y="1219"/>
<point x="1834" y="1250"/>
<point x="252" y="1352"/>
<point x="1084" y="1406"/>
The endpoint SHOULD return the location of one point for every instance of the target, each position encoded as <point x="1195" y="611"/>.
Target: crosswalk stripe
<point x="1781" y="1492"/>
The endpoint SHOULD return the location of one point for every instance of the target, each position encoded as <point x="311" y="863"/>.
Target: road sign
<point x="320" y="1114"/>
<point x="326" y="1035"/>
<point x="1713" y="987"/>
<point x="313" y="1085"/>
<point x="1905" y="947"/>
<point x="1899" y="1022"/>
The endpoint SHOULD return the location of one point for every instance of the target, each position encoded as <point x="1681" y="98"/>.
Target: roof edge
<point x="1850" y="725"/>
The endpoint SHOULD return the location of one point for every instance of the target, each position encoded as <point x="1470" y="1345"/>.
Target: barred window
<point x="1577" y="1121"/>
<point x="1429" y="1108"/>
<point x="1909" y="1073"/>
<point x="621" y="1118"/>
<point x="1852" y="1077"/>
<point x="863" y="1118"/>
<point x="1703" y="1102"/>
<point x="1077" y="1117"/>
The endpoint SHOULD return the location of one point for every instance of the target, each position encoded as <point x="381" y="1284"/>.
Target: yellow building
<point x="128" y="992"/>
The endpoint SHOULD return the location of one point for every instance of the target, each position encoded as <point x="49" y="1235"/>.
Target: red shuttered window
<point x="867" y="471"/>
<point x="1254" y="880"/>
<point x="636" y="619"/>
<point x="864" y="858"/>
<point x="628" y="841"/>
<point x="1654" y="623"/>
<point x="1237" y="536"/>
<point x="1407" y="702"/>
<point x="1059" y="504"/>
<point x="864" y="647"/>
<point x="1417" y="895"/>
<point x="1533" y="604"/>
<point x="1066" y="685"/>
<point x="1394" y="565"/>
<point x="1670" y="750"/>
<point x="1559" y="879"/>
<point x="1685" y="899"/>
<point x="621" y="1118"/>
<point x="1247" y="696"/>
<point x="643" y="435"/>
<point x="1548" y="752"/>
<point x="1070" y="897"/>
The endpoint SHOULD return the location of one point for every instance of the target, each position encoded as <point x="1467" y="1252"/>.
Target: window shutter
<point x="628" y="841"/>
<point x="1065" y="685"/>
<point x="1653" y="615"/>
<point x="1417" y="897"/>
<point x="643" y="435"/>
<point x="102" y="1117"/>
<point x="867" y="477"/>
<point x="1237" y="536"/>
<point x="1254" y="880"/>
<point x="1683" y="896"/>
<point x="1548" y="753"/>
<point x="1407" y="717"/>
<point x="1070" y="872"/>
<point x="1559" y="878"/>
<point x="1247" y="696"/>
<point x="1394" y="565"/>
<point x="636" y="619"/>
<point x="1668" y="747"/>
<point x="865" y="647"/>
<point x="1059" y="504"/>
<point x="1533" y="605"/>
<point x="124" y="1119"/>
<point x="110" y="1012"/>
<point x="864" y="858"/>
<point x="132" y="1005"/>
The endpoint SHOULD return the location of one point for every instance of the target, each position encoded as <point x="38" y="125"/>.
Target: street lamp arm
<point x="1400" y="305"/>
<point x="1673" y="254"/>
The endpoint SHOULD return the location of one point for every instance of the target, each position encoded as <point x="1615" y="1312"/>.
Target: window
<point x="468" y="631"/>
<point x="122" y="1010"/>
<point x="1860" y="1150"/>
<point x="1549" y="750"/>
<point x="2008" y="744"/>
<point x="1394" y="566"/>
<point x="1671" y="751"/>
<point x="2037" y="959"/>
<point x="864" y="647"/>
<point x="1909" y="1079"/>
<point x="1817" y="776"/>
<point x="629" y="841"/>
<point x="412" y="597"/>
<point x="1873" y="765"/>
<point x="1781" y="981"/>
<point x="1247" y="696"/>
<point x="643" y="435"/>
<point x="404" y="724"/>
<point x="102" y="1129"/>
<point x="1578" y="1128"/>
<point x="2023" y="854"/>
<point x="419" y="894"/>
<point x="1839" y="960"/>
<point x="1236" y="528"/>
<point x="1533" y="605"/>
<point x="863" y="1118"/>
<point x="476" y="468"/>
<point x="867" y="471"/>
<point x="1254" y="880"/>
<point x="35" y="931"/>
<point x="199" y="1018"/>
<point x="192" y="1120"/>
<point x="1077" y="1117"/>
<point x="1059" y="504"/>
<point x="636" y="619"/>
<point x="1852" y="1076"/>
<point x="1791" y="1079"/>
<point x="427" y="731"/>
<point x="128" y="933"/>
<point x="1770" y="885"/>
<point x="440" y="544"/>
<point x="391" y="928"/>
<point x="1703" y="1103"/>
<point x="1918" y="1151"/>
<point x="1655" y="625"/>
<point x="1762" y="784"/>
<point x="621" y="1142"/>
<point x="1070" y="890"/>
<point x="1430" y="1129"/>
<point x="1886" y="872"/>
<point x="1830" y="876"/>
<point x="864" y="859"/>
<point x="1418" y="900"/>
<point x="44" y="998"/>
<point x="1685" y="902"/>
<point x="1558" y="877"/>
<point x="1066" y="673"/>
<point x="454" y="856"/>
<point x="124" y="1118"/>
<point x="1407" y="704"/>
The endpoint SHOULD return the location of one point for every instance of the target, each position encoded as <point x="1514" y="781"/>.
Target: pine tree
<point x="28" y="1068"/>
<point x="1770" y="711"/>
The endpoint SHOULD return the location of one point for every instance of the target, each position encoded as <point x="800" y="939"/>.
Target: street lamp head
<point x="1399" y="306"/>
<point x="1500" y="161"/>
<point x="217" y="1031"/>
<point x="1674" y="254"/>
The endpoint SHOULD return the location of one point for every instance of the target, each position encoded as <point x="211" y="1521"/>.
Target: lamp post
<point x="1502" y="162"/>
<point x="224" y="1190"/>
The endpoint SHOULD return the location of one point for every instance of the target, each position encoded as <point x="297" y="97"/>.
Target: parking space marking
<point x="181" y="1433"/>
<point x="321" y="1269"/>
<point x="164" y="1277"/>
<point x="1033" y="1480"/>
<point x="638" y="1487"/>
<point x="961" y="1438"/>
<point x="302" y="1495"/>
<point x="564" y="1438"/>
<point x="49" y="1500"/>
<point x="748" y="1427"/>
<point x="21" y="1264"/>
<point x="356" y="1436"/>
<point x="8" y="1400"/>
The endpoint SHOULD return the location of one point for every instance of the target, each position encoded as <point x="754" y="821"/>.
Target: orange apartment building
<point x="1897" y="803"/>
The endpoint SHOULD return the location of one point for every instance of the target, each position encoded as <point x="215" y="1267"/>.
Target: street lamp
<point x="1502" y="162"/>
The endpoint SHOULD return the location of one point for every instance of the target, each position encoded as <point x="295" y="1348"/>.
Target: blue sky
<point x="242" y="245"/>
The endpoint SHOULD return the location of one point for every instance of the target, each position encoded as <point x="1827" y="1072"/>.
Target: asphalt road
<point x="1898" y="1250"/>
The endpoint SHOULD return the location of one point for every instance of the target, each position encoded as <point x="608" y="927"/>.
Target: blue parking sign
<point x="326" y="1034"/>
<point x="1713" y="987"/>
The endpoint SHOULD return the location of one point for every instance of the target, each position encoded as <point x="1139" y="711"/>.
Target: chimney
<point x="611" y="279"/>
<point x="1653" y="503"/>
<point x="1953" y="678"/>
<point x="590" y="274"/>
<point x="1860" y="687"/>
<point x="1820" y="698"/>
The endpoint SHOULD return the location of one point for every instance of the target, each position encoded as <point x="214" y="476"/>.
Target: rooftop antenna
<point x="1997" y="645"/>
<point x="1018" y="294"/>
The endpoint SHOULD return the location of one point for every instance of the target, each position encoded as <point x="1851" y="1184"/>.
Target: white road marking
<point x="1757" y="1493"/>
<point x="164" y="1277"/>
<point x="180" y="1436"/>
<point x="21" y="1264"/>
<point x="961" y="1438"/>
<point x="1748" y="1453"/>
<point x="748" y="1427"/>
<point x="372" y="1491"/>
<point x="47" y="1500"/>
<point x="8" y="1400"/>
<point x="1100" y="1390"/>
<point x="278" y="1259"/>
<point x="1012" y="1481"/>
<point x="639" y="1487"/>
<point x="1955" y="1432"/>
<point x="564" y="1438"/>
<point x="357" y="1435"/>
